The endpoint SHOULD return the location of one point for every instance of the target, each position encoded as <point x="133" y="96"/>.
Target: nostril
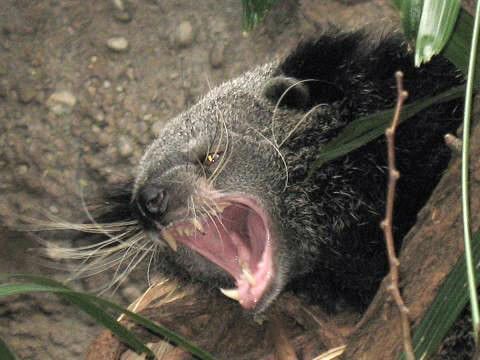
<point x="154" y="200"/>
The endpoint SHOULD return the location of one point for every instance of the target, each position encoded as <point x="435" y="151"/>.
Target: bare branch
<point x="386" y="224"/>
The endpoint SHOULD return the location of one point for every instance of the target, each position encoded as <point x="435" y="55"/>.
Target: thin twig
<point x="386" y="224"/>
<point x="453" y="143"/>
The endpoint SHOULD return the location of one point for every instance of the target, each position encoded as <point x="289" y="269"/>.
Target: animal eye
<point x="212" y="158"/>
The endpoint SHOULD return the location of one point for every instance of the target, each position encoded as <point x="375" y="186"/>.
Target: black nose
<point x="152" y="200"/>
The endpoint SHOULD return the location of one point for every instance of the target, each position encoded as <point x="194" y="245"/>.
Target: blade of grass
<point x="457" y="48"/>
<point x="91" y="309"/>
<point x="410" y="13"/>
<point x="472" y="284"/>
<point x="365" y="129"/>
<point x="155" y="328"/>
<point x="5" y="352"/>
<point x="450" y="301"/>
<point x="435" y="28"/>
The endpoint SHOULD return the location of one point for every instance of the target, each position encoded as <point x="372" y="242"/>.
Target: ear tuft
<point x="288" y="92"/>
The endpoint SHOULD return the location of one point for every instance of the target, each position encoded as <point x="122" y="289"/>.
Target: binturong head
<point x="210" y="187"/>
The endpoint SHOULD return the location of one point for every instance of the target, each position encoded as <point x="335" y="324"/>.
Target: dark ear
<point x="287" y="91"/>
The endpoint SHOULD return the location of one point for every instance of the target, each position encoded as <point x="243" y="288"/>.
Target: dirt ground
<point x="85" y="86"/>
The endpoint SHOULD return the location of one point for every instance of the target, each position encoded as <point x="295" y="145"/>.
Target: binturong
<point x="226" y="194"/>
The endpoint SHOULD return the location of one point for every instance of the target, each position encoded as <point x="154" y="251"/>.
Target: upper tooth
<point x="231" y="293"/>
<point x="221" y="206"/>
<point x="170" y="240"/>
<point x="198" y="225"/>
<point x="188" y="231"/>
<point x="248" y="275"/>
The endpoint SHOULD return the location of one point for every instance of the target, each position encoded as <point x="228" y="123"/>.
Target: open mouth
<point x="235" y="235"/>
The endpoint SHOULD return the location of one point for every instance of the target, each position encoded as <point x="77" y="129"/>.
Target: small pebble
<point x="53" y="209"/>
<point x="122" y="10"/>
<point x="157" y="127"/>
<point x="125" y="147"/>
<point x="22" y="169"/>
<point x="184" y="34"/>
<point x="117" y="44"/>
<point x="217" y="55"/>
<point x="61" y="102"/>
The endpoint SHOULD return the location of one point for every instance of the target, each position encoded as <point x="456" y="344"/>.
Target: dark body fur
<point x="349" y="193"/>
<point x="330" y="244"/>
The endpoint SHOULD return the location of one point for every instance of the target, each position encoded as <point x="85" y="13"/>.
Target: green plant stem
<point x="465" y="185"/>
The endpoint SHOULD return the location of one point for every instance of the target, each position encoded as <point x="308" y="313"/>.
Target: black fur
<point x="357" y="78"/>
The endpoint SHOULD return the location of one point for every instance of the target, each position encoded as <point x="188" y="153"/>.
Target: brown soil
<point x="77" y="114"/>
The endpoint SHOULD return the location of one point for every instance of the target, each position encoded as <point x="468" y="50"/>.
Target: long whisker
<point x="131" y="266"/>
<point x="277" y="105"/>
<point x="304" y="117"/>
<point x="276" y="148"/>
<point x="220" y="118"/>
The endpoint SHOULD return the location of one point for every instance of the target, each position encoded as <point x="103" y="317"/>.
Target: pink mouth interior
<point x="238" y="237"/>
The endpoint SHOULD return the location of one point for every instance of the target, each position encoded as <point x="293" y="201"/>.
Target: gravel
<point x="118" y="44"/>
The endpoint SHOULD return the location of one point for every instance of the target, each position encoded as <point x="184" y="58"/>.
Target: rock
<point x="122" y="10"/>
<point x="119" y="5"/>
<point x="117" y="44"/>
<point x="125" y="147"/>
<point x="26" y="92"/>
<point x="61" y="102"/>
<point x="184" y="34"/>
<point x="21" y="170"/>
<point x="217" y="55"/>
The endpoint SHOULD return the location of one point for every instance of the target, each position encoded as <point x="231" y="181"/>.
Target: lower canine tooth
<point x="170" y="240"/>
<point x="231" y="293"/>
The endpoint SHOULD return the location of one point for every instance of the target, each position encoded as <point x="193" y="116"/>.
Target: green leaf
<point x="457" y="49"/>
<point x="410" y="13"/>
<point x="365" y="129"/>
<point x="445" y="309"/>
<point x="436" y="25"/>
<point x="88" y="307"/>
<point x="105" y="304"/>
<point x="5" y="352"/>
